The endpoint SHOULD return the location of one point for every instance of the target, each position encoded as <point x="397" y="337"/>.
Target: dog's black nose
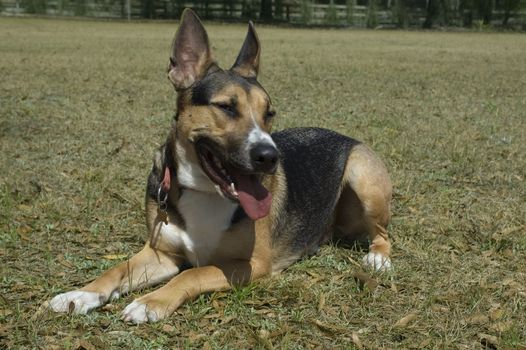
<point x="264" y="158"/>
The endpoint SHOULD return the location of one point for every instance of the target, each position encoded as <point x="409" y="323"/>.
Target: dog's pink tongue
<point x="254" y="198"/>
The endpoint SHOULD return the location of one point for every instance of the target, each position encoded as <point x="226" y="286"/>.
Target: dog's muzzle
<point x="237" y="175"/>
<point x="264" y="158"/>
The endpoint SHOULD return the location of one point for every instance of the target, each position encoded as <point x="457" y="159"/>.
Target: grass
<point x="84" y="104"/>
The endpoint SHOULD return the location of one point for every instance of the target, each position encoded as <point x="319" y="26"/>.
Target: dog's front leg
<point x="188" y="285"/>
<point x="150" y="266"/>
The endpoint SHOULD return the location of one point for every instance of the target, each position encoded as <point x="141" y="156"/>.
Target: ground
<point x="85" y="103"/>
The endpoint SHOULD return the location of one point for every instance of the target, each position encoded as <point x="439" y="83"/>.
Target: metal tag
<point x="162" y="215"/>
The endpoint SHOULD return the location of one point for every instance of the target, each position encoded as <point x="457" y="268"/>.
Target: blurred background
<point x="478" y="14"/>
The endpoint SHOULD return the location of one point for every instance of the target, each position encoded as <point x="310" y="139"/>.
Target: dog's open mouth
<point x="235" y="184"/>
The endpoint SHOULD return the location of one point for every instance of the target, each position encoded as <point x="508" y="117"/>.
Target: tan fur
<point x="195" y="121"/>
<point x="245" y="252"/>
<point x="148" y="267"/>
<point x="364" y="205"/>
<point x="243" y="256"/>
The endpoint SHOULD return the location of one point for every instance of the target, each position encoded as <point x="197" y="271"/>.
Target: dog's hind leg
<point x="364" y="205"/>
<point x="148" y="267"/>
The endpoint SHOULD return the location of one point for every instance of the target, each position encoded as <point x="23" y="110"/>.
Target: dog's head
<point x="223" y="119"/>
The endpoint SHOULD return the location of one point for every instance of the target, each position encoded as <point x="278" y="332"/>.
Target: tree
<point x="485" y="10"/>
<point x="148" y="8"/>
<point x="466" y="11"/>
<point x="35" y="6"/>
<point x="306" y="11"/>
<point x="177" y="8"/>
<point x="228" y="8"/>
<point x="444" y="13"/>
<point x="372" y="17"/>
<point x="400" y="15"/>
<point x="510" y="7"/>
<point x="248" y="9"/>
<point x="278" y="9"/>
<point x="431" y="13"/>
<point x="265" y="13"/>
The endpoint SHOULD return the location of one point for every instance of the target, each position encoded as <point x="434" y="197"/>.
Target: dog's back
<point x="313" y="161"/>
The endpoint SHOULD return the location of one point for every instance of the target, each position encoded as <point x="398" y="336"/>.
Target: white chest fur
<point x="190" y="174"/>
<point x="207" y="216"/>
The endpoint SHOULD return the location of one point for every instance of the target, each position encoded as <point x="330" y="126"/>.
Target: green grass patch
<point x="85" y="103"/>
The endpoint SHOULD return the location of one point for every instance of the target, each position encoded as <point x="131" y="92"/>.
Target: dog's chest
<point x="207" y="216"/>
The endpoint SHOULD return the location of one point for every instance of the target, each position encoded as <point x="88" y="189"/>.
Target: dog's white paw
<point x="77" y="301"/>
<point x="114" y="295"/>
<point x="377" y="262"/>
<point x="137" y="312"/>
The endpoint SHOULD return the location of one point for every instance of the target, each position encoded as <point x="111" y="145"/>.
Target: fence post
<point x="350" y="11"/>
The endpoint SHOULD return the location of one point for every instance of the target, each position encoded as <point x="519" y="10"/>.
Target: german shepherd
<point x="232" y="201"/>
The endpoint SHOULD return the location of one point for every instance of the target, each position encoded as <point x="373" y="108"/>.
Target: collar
<point x="164" y="189"/>
<point x="165" y="184"/>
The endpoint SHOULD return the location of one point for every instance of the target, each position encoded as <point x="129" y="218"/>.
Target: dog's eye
<point x="270" y="114"/>
<point x="225" y="107"/>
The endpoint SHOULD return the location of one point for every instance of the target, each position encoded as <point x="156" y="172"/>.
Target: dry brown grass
<point x="83" y="105"/>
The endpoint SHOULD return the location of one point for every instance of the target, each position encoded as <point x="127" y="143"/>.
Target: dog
<point x="233" y="201"/>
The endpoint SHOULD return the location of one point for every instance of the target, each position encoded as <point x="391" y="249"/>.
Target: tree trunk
<point x="488" y="12"/>
<point x="148" y="9"/>
<point x="372" y="17"/>
<point x="466" y="12"/>
<point x="431" y="13"/>
<point x="265" y="13"/>
<point x="401" y="13"/>
<point x="278" y="6"/>
<point x="444" y="11"/>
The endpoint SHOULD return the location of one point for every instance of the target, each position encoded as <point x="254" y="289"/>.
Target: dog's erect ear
<point x="191" y="56"/>
<point x="247" y="62"/>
